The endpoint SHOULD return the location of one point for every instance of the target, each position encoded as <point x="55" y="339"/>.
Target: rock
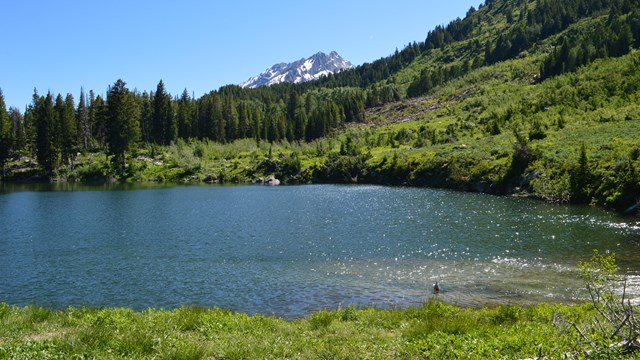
<point x="258" y="181"/>
<point x="209" y="179"/>
<point x="271" y="180"/>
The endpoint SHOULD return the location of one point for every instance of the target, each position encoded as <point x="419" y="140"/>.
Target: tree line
<point x="611" y="38"/>
<point x="525" y="27"/>
<point x="54" y="128"/>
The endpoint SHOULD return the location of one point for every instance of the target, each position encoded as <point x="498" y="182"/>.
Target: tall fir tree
<point x="230" y="116"/>
<point x="5" y="134"/>
<point x="82" y="119"/>
<point x="68" y="130"/>
<point x="18" y="129"/>
<point x="122" y="130"/>
<point x="146" y="115"/>
<point x="184" y="115"/>
<point x="163" y="127"/>
<point x="45" y="124"/>
<point x="98" y="109"/>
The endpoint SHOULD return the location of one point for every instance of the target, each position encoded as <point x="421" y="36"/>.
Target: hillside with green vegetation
<point x="535" y="98"/>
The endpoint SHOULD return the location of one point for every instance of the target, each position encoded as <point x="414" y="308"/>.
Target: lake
<point x="291" y="250"/>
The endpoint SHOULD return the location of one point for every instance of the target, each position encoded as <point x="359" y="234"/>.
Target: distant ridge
<point x="311" y="68"/>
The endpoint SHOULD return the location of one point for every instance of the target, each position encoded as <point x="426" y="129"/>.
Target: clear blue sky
<point x="62" y="45"/>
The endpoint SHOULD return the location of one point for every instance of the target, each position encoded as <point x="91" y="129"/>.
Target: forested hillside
<point x="535" y="97"/>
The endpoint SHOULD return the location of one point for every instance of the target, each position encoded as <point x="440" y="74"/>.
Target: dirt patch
<point x="50" y="335"/>
<point x="404" y="111"/>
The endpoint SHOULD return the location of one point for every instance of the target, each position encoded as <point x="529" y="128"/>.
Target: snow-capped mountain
<point x="308" y="69"/>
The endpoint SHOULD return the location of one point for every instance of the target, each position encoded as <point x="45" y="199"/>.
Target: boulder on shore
<point x="271" y="180"/>
<point x="210" y="179"/>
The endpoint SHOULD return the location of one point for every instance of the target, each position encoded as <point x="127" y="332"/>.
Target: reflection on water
<point x="292" y="250"/>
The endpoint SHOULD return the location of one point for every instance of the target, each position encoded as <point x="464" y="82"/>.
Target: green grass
<point x="434" y="330"/>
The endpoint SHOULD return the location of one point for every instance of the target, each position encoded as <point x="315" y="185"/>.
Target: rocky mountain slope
<point x="311" y="68"/>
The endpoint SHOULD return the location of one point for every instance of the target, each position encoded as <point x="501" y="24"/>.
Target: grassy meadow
<point x="434" y="331"/>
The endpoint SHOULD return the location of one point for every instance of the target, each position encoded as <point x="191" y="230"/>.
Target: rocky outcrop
<point x="271" y="180"/>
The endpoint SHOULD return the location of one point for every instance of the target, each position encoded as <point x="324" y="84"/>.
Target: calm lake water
<point x="291" y="250"/>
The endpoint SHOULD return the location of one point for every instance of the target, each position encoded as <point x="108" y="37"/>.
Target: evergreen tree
<point x="98" y="110"/>
<point x="5" y="133"/>
<point x="164" y="129"/>
<point x="297" y="117"/>
<point x="82" y="118"/>
<point x="45" y="131"/>
<point x="68" y="130"/>
<point x="230" y="117"/>
<point x="122" y="130"/>
<point x="146" y="115"/>
<point x="218" y="120"/>
<point x="244" y="128"/>
<point x="581" y="179"/>
<point x="57" y="134"/>
<point x="92" y="114"/>
<point x="205" y="125"/>
<point x="257" y="122"/>
<point x="18" y="129"/>
<point x="185" y="115"/>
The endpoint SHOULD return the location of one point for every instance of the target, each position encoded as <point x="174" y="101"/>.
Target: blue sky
<point x="61" y="46"/>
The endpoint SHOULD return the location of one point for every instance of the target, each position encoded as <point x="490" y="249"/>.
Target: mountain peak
<point x="311" y="68"/>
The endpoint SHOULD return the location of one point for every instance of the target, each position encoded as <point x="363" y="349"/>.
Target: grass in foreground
<point x="435" y="330"/>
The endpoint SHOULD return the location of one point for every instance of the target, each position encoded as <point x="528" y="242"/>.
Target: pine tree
<point x="123" y="130"/>
<point x="82" y="118"/>
<point x="5" y="134"/>
<point x="92" y="114"/>
<point x="185" y="115"/>
<point x="146" y="115"/>
<point x="98" y="109"/>
<point x="581" y="179"/>
<point x="243" y="120"/>
<point x="230" y="116"/>
<point x="45" y="131"/>
<point x="57" y="134"/>
<point x="69" y="130"/>
<point x="217" y="120"/>
<point x="164" y="129"/>
<point x="18" y="129"/>
<point x="297" y="116"/>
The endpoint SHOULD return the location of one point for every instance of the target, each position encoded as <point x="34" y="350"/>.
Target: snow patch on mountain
<point x="311" y="68"/>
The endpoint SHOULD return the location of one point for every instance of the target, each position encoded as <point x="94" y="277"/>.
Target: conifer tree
<point x="230" y="116"/>
<point x="45" y="120"/>
<point x="82" y="118"/>
<point x="5" y="133"/>
<point x="69" y="129"/>
<point x="164" y="129"/>
<point x="18" y="129"/>
<point x="146" y="115"/>
<point x="185" y="115"/>
<point x="123" y="130"/>
<point x="98" y="109"/>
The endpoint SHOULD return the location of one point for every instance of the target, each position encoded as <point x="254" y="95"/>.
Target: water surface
<point x="293" y="250"/>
